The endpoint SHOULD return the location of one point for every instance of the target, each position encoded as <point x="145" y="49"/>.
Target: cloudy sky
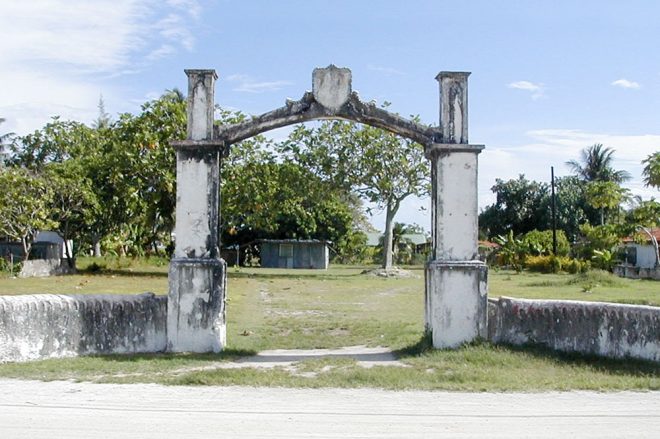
<point x="548" y="77"/>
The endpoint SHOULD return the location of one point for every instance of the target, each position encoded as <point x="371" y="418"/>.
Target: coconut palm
<point x="596" y="165"/>
<point x="651" y="170"/>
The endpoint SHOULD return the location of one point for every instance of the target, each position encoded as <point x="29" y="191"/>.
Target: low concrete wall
<point x="51" y="326"/>
<point x="637" y="272"/>
<point x="45" y="268"/>
<point x="605" y="329"/>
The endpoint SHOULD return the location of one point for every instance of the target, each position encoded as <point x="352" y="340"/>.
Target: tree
<point x="24" y="206"/>
<point x="646" y="214"/>
<point x="521" y="206"/>
<point x="651" y="170"/>
<point x="573" y="210"/>
<point x="381" y="167"/>
<point x="56" y="142"/>
<point x="606" y="196"/>
<point x="103" y="119"/>
<point x="268" y="199"/>
<point x="596" y="165"/>
<point x="73" y="206"/>
<point x="143" y="167"/>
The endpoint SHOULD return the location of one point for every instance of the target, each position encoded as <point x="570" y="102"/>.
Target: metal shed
<point x="291" y="253"/>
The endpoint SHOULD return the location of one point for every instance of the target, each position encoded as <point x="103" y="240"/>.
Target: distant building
<point x="291" y="253"/>
<point x="47" y="245"/>
<point x="640" y="259"/>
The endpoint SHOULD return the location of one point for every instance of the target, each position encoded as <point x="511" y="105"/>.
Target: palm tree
<point x="651" y="170"/>
<point x="596" y="165"/>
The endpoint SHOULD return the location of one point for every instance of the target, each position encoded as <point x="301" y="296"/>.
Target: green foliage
<point x="651" y="172"/>
<point x="606" y="196"/>
<point x="603" y="259"/>
<point x="512" y="251"/>
<point x="646" y="214"/>
<point x="597" y="238"/>
<point x="540" y="242"/>
<point x="74" y="205"/>
<point x="517" y="207"/>
<point x="596" y="165"/>
<point x="267" y="199"/>
<point x="56" y="142"/>
<point x="352" y="248"/>
<point x="379" y="166"/>
<point x="24" y="206"/>
<point x="556" y="264"/>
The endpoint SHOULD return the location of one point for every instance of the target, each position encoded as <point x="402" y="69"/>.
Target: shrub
<point x="555" y="264"/>
<point x="540" y="242"/>
<point x="597" y="238"/>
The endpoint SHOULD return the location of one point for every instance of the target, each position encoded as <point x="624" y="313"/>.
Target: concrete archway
<point x="456" y="281"/>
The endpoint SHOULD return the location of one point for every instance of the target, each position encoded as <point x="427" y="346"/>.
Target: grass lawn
<point x="278" y="309"/>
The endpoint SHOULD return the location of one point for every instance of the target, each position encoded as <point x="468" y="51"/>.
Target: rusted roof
<point x="655" y="231"/>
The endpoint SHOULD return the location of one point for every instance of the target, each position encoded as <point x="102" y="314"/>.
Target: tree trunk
<point x="69" y="254"/>
<point x="27" y="247"/>
<point x="392" y="208"/>
<point x="96" y="241"/>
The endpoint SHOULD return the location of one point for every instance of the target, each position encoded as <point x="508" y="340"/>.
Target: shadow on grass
<point x="623" y="366"/>
<point x="290" y="275"/>
<point x="227" y="354"/>
<point x="125" y="272"/>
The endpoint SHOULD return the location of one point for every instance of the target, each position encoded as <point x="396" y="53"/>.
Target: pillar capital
<point x="453" y="106"/>
<point x="201" y="88"/>
<point x="456" y="75"/>
<point x="432" y="150"/>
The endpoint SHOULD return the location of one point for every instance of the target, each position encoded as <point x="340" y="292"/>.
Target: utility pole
<point x="554" y="211"/>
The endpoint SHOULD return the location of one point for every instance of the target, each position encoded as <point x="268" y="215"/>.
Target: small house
<point x="640" y="258"/>
<point x="291" y="253"/>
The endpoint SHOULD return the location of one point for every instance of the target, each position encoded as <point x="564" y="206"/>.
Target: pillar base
<point x="456" y="302"/>
<point x="196" y="305"/>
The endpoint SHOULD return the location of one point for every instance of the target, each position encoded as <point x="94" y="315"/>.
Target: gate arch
<point x="455" y="280"/>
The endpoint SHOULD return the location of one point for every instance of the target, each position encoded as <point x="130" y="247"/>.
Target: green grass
<point x="593" y="286"/>
<point x="278" y="309"/>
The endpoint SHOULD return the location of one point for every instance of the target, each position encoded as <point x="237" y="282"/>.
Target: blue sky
<point x="548" y="77"/>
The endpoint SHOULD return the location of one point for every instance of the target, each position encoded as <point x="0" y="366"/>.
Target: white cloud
<point x="386" y="70"/>
<point x="536" y="89"/>
<point x="57" y="55"/>
<point x="624" y="83"/>
<point x="553" y="147"/>
<point x="247" y="84"/>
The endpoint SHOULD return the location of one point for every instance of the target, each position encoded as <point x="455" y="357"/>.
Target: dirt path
<point x="31" y="409"/>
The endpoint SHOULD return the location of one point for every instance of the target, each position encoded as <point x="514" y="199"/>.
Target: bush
<point x="11" y="269"/>
<point x="597" y="238"/>
<point x="540" y="242"/>
<point x="556" y="264"/>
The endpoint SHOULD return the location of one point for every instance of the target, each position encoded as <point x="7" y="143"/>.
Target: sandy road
<point x="30" y="409"/>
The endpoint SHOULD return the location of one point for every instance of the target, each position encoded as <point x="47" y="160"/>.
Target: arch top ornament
<point x="331" y="97"/>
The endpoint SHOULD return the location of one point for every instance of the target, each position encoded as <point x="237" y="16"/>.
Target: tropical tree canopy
<point x="595" y="164"/>
<point x="651" y="172"/>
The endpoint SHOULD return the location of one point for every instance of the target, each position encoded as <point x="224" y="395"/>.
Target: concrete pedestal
<point x="196" y="305"/>
<point x="456" y="302"/>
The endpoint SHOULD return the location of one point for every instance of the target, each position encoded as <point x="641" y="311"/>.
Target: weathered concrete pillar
<point x="197" y="275"/>
<point x="456" y="281"/>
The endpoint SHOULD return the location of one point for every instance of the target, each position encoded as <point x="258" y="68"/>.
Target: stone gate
<point x="456" y="281"/>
